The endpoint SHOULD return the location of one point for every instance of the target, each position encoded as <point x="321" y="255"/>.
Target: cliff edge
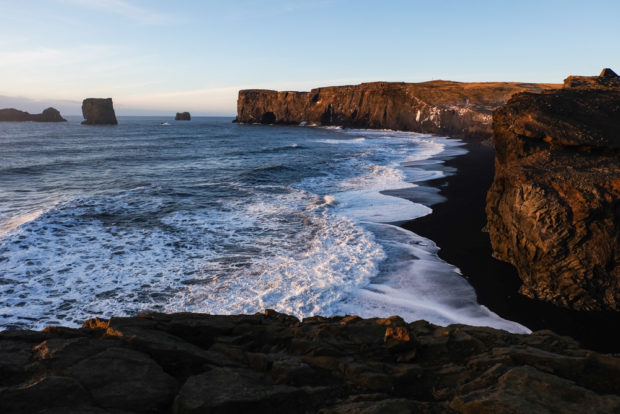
<point x="14" y="115"/>
<point x="273" y="363"/>
<point x="440" y="107"/>
<point x="554" y="206"/>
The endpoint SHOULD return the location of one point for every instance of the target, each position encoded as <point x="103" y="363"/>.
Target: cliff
<point x="273" y="363"/>
<point x="98" y="111"/>
<point x="183" y="116"/>
<point x="14" y="115"/>
<point x="554" y="206"/>
<point x="440" y="107"/>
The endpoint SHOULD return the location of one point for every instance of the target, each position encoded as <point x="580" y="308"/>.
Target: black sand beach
<point x="456" y="227"/>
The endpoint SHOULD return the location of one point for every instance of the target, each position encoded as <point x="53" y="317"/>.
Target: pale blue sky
<point x="164" y="56"/>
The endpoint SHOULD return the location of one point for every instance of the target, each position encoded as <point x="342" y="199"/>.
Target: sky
<point x="160" y="57"/>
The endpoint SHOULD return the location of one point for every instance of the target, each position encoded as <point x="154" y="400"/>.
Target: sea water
<point x="222" y="218"/>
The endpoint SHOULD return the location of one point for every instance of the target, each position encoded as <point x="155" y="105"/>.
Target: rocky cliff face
<point x="272" y="363"/>
<point x="554" y="206"/>
<point x="98" y="111"/>
<point x="440" y="107"/>
<point x="14" y="115"/>
<point x="183" y="116"/>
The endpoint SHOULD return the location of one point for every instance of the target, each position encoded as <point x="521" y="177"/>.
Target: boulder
<point x="183" y="116"/>
<point x="554" y="206"/>
<point x="98" y="111"/>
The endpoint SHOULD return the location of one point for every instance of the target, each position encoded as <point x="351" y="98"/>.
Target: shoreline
<point x="456" y="224"/>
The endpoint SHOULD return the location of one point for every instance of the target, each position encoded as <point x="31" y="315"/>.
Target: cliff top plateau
<point x="273" y="363"/>
<point x="14" y="115"/>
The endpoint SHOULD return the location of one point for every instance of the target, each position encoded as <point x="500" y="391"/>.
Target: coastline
<point x="456" y="224"/>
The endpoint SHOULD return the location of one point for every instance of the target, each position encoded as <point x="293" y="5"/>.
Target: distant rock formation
<point x="441" y="107"/>
<point x="14" y="115"/>
<point x="98" y="111"/>
<point x="273" y="363"/>
<point x="183" y="116"/>
<point x="554" y="206"/>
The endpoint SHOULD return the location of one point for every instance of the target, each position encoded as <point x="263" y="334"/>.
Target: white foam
<point x="318" y="247"/>
<point x="330" y="257"/>
<point x="342" y="141"/>
<point x="417" y="284"/>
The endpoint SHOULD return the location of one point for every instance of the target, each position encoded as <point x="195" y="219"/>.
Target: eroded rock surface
<point x="98" y="111"/>
<point x="14" y="115"/>
<point x="272" y="363"/>
<point x="441" y="107"/>
<point x="554" y="206"/>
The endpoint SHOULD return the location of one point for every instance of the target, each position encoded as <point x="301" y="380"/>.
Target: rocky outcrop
<point x="440" y="107"/>
<point x="183" y="116"/>
<point x="272" y="363"/>
<point x="98" y="111"/>
<point x="554" y="206"/>
<point x="14" y="115"/>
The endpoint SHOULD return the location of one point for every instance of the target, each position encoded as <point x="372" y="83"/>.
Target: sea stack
<point x="98" y="111"/>
<point x="14" y="115"/>
<point x="183" y="116"/>
<point x="553" y="206"/>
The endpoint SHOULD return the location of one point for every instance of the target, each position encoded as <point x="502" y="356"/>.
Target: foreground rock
<point x="441" y="107"/>
<point x="272" y="363"/>
<point x="554" y="206"/>
<point x="98" y="111"/>
<point x="183" y="116"/>
<point x="14" y="115"/>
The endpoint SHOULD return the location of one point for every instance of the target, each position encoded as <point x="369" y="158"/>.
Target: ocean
<point x="215" y="217"/>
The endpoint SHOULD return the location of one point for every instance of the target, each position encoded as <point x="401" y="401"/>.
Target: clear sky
<point x="167" y="56"/>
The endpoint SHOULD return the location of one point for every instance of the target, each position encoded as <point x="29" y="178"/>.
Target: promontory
<point x="440" y="107"/>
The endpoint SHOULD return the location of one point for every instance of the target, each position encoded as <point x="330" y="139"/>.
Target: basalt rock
<point x="554" y="206"/>
<point x="14" y="115"/>
<point x="440" y="107"/>
<point x="98" y="111"/>
<point x="183" y="116"/>
<point x="273" y="363"/>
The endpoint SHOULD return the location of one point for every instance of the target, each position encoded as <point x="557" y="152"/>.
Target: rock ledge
<point x="273" y="363"/>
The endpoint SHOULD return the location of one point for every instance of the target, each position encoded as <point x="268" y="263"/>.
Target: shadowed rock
<point x="14" y="115"/>
<point x="273" y="363"/>
<point x="98" y="111"/>
<point x="554" y="206"/>
<point x="441" y="107"/>
<point x="182" y="116"/>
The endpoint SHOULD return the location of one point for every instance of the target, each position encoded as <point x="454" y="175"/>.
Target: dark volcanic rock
<point x="272" y="363"/>
<point x="14" y="115"/>
<point x="449" y="108"/>
<point x="183" y="116"/>
<point x="554" y="206"/>
<point x="98" y="111"/>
